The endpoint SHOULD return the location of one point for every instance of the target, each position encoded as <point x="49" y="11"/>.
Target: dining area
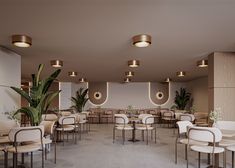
<point x="20" y="141"/>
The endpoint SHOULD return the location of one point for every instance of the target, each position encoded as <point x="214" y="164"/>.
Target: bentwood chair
<point x="20" y="137"/>
<point x="3" y="149"/>
<point x="182" y="138"/>
<point x="228" y="143"/>
<point x="121" y="124"/>
<point x="87" y="114"/>
<point x="168" y="117"/>
<point x="49" y="117"/>
<point x="50" y="137"/>
<point x="210" y="135"/>
<point x="187" y="117"/>
<point x="67" y="124"/>
<point x="148" y="125"/>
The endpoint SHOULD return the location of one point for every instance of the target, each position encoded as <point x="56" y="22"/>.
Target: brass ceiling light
<point x="21" y="40"/>
<point x="72" y="74"/>
<point x="141" y="40"/>
<point x="133" y="63"/>
<point x="181" y="73"/>
<point x="82" y="80"/>
<point x="129" y="73"/>
<point x="56" y="63"/>
<point x="202" y="63"/>
<point x="127" y="80"/>
<point x="168" y="80"/>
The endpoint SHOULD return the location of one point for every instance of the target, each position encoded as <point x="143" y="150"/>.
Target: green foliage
<point x="39" y="98"/>
<point x="182" y="98"/>
<point x="80" y="100"/>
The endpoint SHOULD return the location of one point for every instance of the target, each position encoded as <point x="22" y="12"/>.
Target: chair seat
<point x="4" y="140"/>
<point x="226" y="142"/>
<point x="124" y="128"/>
<point x="207" y="149"/>
<point x="83" y="122"/>
<point x="66" y="128"/>
<point x="168" y="119"/>
<point x="231" y="148"/>
<point x="24" y="148"/>
<point x="144" y="128"/>
<point x="192" y="142"/>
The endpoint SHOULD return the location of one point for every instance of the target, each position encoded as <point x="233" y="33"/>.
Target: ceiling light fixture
<point x="72" y="74"/>
<point x="129" y="73"/>
<point x="82" y="80"/>
<point x="21" y="40"/>
<point x="56" y="63"/>
<point x="142" y="40"/>
<point x="133" y="63"/>
<point x="180" y="73"/>
<point x="168" y="80"/>
<point x="202" y="63"/>
<point x="127" y="80"/>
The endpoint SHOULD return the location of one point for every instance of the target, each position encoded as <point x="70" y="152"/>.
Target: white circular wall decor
<point x="97" y="95"/>
<point x="159" y="95"/>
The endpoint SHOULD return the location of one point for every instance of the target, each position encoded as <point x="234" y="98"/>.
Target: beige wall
<point x="222" y="83"/>
<point x="199" y="90"/>
<point x="10" y="75"/>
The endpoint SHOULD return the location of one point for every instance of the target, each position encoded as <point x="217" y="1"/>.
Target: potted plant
<point x="182" y="98"/>
<point x="39" y="98"/>
<point x="80" y="100"/>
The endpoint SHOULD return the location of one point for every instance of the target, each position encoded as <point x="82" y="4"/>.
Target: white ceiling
<point x="94" y="37"/>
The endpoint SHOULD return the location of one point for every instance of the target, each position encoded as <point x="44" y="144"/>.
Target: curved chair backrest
<point x="67" y="120"/>
<point x="48" y="127"/>
<point x="168" y="114"/>
<point x="122" y="112"/>
<point x="186" y="117"/>
<point x="182" y="126"/>
<point x="121" y="119"/>
<point x="6" y="125"/>
<point x="49" y="117"/>
<point x="141" y="116"/>
<point x="225" y="125"/>
<point x="205" y="134"/>
<point x="82" y="116"/>
<point x="108" y="112"/>
<point x="148" y="119"/>
<point x="25" y="134"/>
<point x="65" y="113"/>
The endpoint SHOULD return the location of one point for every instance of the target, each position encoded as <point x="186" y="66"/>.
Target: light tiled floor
<point x="96" y="150"/>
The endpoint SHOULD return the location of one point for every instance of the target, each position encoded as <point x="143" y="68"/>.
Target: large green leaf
<point x="23" y="94"/>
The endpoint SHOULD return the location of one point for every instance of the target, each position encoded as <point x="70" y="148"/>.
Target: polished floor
<point x="96" y="150"/>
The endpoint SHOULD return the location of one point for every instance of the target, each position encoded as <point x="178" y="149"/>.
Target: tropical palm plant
<point x="80" y="100"/>
<point x="39" y="98"/>
<point x="182" y="98"/>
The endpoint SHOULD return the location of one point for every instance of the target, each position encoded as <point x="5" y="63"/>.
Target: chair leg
<point x="31" y="159"/>
<point x="63" y="137"/>
<point x="155" y="135"/>
<point x="45" y="152"/>
<point x="42" y="157"/>
<point x="187" y="158"/>
<point x="14" y="160"/>
<point x="186" y="152"/>
<point x="208" y="158"/>
<point x="224" y="159"/>
<point x="22" y="158"/>
<point x="232" y="159"/>
<point x="113" y="134"/>
<point x="123" y="137"/>
<point x="55" y="153"/>
<point x="147" y="136"/>
<point x="199" y="159"/>
<point x="143" y="135"/>
<point x="5" y="159"/>
<point x="176" y="151"/>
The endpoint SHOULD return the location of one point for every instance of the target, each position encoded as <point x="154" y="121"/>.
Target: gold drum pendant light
<point x="133" y="63"/>
<point x="127" y="80"/>
<point x="181" y="73"/>
<point x="168" y="80"/>
<point x="82" y="80"/>
<point x="21" y="40"/>
<point x="129" y="73"/>
<point x="56" y="63"/>
<point x="72" y="73"/>
<point x="142" y="40"/>
<point x="202" y="63"/>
